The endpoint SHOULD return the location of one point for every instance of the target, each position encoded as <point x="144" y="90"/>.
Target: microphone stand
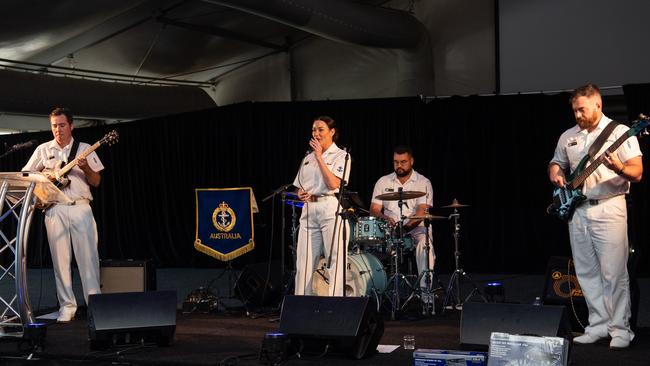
<point x="11" y="150"/>
<point x="281" y="190"/>
<point x="344" y="217"/>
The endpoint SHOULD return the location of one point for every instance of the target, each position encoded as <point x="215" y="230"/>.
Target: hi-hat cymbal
<point x="427" y="217"/>
<point x="400" y="195"/>
<point x="455" y="204"/>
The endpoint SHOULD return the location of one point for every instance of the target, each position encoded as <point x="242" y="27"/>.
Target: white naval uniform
<point x="598" y="231"/>
<point x="416" y="182"/>
<point x="317" y="222"/>
<point x="70" y="227"/>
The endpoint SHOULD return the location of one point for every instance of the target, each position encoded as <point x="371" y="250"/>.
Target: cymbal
<point x="455" y="204"/>
<point x="427" y="217"/>
<point x="403" y="195"/>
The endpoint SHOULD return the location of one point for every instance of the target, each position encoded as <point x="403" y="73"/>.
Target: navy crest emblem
<point x="223" y="217"/>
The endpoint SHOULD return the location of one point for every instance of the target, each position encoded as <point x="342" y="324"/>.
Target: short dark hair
<point x="588" y="91"/>
<point x="62" y="111"/>
<point x="403" y="149"/>
<point x="331" y="124"/>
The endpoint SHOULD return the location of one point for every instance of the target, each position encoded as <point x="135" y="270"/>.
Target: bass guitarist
<point x="598" y="227"/>
<point x="70" y="227"/>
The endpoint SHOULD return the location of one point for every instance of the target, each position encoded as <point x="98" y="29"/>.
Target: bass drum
<point x="365" y="276"/>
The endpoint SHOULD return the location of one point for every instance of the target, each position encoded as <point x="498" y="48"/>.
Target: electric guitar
<point x="567" y="198"/>
<point x="59" y="176"/>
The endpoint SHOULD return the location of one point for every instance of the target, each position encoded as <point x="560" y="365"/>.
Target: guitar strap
<point x="600" y="140"/>
<point x="73" y="150"/>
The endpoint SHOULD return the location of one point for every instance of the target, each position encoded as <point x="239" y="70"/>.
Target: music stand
<point x="352" y="200"/>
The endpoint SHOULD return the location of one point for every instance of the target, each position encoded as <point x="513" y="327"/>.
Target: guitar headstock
<point x="640" y="126"/>
<point x="110" y="138"/>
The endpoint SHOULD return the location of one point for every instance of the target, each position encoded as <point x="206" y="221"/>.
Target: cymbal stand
<point x="394" y="297"/>
<point x="453" y="293"/>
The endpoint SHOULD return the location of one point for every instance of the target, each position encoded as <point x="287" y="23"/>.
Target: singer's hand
<point x="316" y="146"/>
<point x="303" y="196"/>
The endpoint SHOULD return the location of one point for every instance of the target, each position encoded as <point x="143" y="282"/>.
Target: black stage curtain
<point x="488" y="152"/>
<point x="637" y="99"/>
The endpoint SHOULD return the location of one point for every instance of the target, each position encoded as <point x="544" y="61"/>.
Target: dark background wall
<point x="488" y="152"/>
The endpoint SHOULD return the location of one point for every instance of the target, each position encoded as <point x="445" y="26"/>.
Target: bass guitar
<point x="567" y="198"/>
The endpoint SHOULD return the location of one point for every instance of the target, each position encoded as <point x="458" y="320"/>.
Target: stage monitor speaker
<point x="479" y="320"/>
<point x="562" y="288"/>
<point x="131" y="317"/>
<point x="127" y="275"/>
<point x="344" y="324"/>
<point x="253" y="288"/>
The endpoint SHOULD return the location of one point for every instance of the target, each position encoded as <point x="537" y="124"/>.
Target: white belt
<point x="321" y="197"/>
<point x="594" y="202"/>
<point x="75" y="202"/>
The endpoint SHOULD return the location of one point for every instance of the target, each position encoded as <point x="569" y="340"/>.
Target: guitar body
<point x="565" y="201"/>
<point x="59" y="180"/>
<point x="567" y="198"/>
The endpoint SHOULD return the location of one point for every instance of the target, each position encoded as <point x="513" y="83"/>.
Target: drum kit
<point x="376" y="246"/>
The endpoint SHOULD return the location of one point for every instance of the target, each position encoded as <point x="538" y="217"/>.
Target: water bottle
<point x="537" y="301"/>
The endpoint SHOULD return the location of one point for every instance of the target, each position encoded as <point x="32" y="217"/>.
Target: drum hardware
<point x="453" y="293"/>
<point x="428" y="294"/>
<point x="393" y="294"/>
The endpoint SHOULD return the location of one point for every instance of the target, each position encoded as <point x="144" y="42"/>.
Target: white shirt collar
<point x="55" y="145"/>
<point x="413" y="178"/>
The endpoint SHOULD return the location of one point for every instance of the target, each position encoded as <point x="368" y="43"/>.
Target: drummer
<point x="407" y="179"/>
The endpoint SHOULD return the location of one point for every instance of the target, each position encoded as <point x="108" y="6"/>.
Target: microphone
<point x="24" y="145"/>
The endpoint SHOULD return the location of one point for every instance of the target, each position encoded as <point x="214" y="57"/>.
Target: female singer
<point x="318" y="179"/>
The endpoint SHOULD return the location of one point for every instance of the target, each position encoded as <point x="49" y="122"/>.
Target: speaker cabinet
<point x="127" y="276"/>
<point x="131" y="317"/>
<point x="345" y="324"/>
<point x="479" y="320"/>
<point x="256" y="286"/>
<point x="562" y="288"/>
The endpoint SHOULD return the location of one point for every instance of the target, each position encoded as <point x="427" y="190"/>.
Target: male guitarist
<point x="598" y="227"/>
<point x="70" y="227"/>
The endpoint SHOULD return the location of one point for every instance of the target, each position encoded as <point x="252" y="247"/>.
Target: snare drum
<point x="365" y="274"/>
<point x="371" y="231"/>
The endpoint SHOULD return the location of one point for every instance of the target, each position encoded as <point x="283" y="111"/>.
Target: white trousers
<point x="599" y="244"/>
<point x="314" y="239"/>
<point x="73" y="228"/>
<point x="419" y="239"/>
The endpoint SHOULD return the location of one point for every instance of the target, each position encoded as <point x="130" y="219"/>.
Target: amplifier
<point x="127" y="275"/>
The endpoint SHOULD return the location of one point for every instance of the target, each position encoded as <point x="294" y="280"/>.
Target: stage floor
<point x="236" y="339"/>
<point x="233" y="338"/>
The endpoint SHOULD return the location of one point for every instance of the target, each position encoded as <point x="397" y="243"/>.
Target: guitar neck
<point x="68" y="167"/>
<point x="580" y="179"/>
